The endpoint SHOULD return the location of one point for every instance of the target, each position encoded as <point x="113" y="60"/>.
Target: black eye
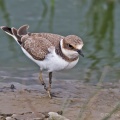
<point x="70" y="46"/>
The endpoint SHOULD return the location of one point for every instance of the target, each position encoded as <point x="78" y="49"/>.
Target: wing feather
<point x="37" y="47"/>
<point x="37" y="44"/>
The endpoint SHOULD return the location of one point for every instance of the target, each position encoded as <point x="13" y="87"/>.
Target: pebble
<point x="9" y="118"/>
<point x="48" y="116"/>
<point x="14" y="115"/>
<point x="56" y="116"/>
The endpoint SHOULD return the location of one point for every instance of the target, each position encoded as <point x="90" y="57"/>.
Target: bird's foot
<point x="49" y="94"/>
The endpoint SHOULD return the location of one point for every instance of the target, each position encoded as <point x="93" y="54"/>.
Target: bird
<point x="51" y="52"/>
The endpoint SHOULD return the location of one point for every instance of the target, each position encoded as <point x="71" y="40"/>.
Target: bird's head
<point x="71" y="46"/>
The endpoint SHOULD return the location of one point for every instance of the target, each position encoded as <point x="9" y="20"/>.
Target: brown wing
<point x="37" y="44"/>
<point x="37" y="47"/>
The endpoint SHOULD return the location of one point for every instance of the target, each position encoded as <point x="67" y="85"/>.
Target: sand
<point x="77" y="101"/>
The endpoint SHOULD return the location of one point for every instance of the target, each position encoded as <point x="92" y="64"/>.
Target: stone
<point x="56" y="116"/>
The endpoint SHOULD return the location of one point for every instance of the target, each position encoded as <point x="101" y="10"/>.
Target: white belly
<point x="52" y="62"/>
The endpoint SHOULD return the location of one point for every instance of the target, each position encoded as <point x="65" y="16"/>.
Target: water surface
<point x="96" y="22"/>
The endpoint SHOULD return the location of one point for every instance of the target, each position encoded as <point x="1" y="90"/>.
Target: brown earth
<point x="77" y="101"/>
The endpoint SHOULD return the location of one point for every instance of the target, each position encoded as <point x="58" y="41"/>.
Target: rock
<point x="14" y="115"/>
<point x="28" y="115"/>
<point x="56" y="116"/>
<point x="9" y="118"/>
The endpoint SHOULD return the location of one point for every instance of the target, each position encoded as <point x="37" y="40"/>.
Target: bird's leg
<point x="50" y="82"/>
<point x="42" y="81"/>
<point x="50" y="79"/>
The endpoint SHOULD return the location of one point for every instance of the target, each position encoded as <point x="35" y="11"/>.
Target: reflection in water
<point x="5" y="13"/>
<point x="52" y="8"/>
<point x="6" y="17"/>
<point x="45" y="12"/>
<point x="101" y="18"/>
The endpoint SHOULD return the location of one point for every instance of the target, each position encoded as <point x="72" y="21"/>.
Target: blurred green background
<point x="97" y="22"/>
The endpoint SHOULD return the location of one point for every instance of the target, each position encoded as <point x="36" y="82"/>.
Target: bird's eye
<point x="70" y="46"/>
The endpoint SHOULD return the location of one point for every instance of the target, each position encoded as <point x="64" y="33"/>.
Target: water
<point x="96" y="22"/>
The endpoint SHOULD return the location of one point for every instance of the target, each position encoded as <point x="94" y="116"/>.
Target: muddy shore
<point x="77" y="100"/>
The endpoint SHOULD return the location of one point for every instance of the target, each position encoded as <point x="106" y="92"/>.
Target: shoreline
<point x="74" y="98"/>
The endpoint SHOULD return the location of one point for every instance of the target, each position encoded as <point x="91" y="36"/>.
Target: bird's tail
<point x="16" y="33"/>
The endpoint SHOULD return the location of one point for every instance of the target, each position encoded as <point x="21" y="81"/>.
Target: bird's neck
<point x="61" y="54"/>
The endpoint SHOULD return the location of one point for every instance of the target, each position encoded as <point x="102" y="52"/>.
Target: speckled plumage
<point x="49" y="51"/>
<point x="37" y="44"/>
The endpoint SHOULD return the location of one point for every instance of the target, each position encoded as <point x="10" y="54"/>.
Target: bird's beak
<point x="80" y="52"/>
